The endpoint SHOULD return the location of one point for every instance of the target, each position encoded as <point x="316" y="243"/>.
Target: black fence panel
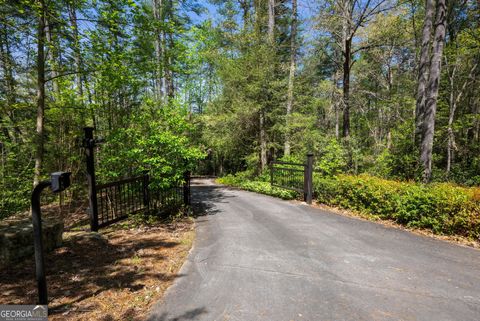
<point x="291" y="178"/>
<point x="117" y="200"/>
<point x="114" y="201"/>
<point x="294" y="176"/>
<point x="165" y="201"/>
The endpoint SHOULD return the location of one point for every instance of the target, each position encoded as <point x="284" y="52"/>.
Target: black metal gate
<point x="294" y="176"/>
<point x="114" y="201"/>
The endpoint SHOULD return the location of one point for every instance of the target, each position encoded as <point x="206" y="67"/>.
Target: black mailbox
<point x="60" y="181"/>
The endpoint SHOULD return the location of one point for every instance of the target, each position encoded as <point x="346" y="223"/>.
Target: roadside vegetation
<point x="256" y="185"/>
<point x="443" y="208"/>
<point x="384" y="93"/>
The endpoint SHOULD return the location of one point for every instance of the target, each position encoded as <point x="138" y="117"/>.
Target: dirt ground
<point x="117" y="274"/>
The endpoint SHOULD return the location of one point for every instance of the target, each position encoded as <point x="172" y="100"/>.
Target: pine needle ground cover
<point x="117" y="274"/>
<point x="443" y="208"/>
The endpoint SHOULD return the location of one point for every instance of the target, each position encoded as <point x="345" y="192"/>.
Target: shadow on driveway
<point x="205" y="194"/>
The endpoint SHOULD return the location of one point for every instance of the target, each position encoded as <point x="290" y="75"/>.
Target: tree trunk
<point x="263" y="141"/>
<point x="7" y="67"/>
<point x="261" y="116"/>
<point x="423" y="65"/>
<point x="168" y="70"/>
<point x="76" y="49"/>
<point x="157" y="7"/>
<point x="245" y="5"/>
<point x="10" y="88"/>
<point x="40" y="92"/>
<point x="347" y="56"/>
<point x="453" y="107"/>
<point x="454" y="99"/>
<point x="432" y="92"/>
<point x="291" y="76"/>
<point x="271" y="21"/>
<point x="52" y="57"/>
<point x="346" y="88"/>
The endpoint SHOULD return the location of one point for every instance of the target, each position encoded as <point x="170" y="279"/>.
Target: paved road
<point x="261" y="258"/>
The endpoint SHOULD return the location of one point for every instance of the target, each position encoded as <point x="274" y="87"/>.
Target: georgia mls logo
<point x="39" y="312"/>
<point x="23" y="313"/>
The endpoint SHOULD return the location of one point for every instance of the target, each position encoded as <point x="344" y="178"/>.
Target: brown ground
<point x="113" y="275"/>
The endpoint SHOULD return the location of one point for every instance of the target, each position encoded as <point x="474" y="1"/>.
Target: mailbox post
<point x="59" y="181"/>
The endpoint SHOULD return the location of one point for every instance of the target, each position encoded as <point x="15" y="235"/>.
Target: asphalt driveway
<point x="261" y="258"/>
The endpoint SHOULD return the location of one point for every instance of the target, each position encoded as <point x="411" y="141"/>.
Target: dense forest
<point x="385" y="87"/>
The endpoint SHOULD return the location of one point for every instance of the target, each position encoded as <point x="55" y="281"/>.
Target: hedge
<point x="444" y="208"/>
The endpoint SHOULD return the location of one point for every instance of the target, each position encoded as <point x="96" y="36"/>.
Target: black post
<point x="38" y="242"/>
<point x="308" y="179"/>
<point x="89" y="144"/>
<point x="271" y="173"/>
<point x="186" y="188"/>
<point x="146" y="194"/>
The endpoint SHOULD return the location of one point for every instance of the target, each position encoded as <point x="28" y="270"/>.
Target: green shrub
<point x="443" y="208"/>
<point x="262" y="187"/>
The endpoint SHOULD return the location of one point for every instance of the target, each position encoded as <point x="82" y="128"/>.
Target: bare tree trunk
<point x="168" y="70"/>
<point x="476" y="132"/>
<point x="347" y="57"/>
<point x="76" y="49"/>
<point x="11" y="90"/>
<point x="261" y="116"/>
<point x="432" y="92"/>
<point x="157" y="6"/>
<point x="52" y="57"/>
<point x="271" y="21"/>
<point x="346" y="88"/>
<point x="263" y="141"/>
<point x="40" y="92"/>
<point x="5" y="59"/>
<point x="291" y="76"/>
<point x="453" y="102"/>
<point x="7" y="67"/>
<point x="453" y="106"/>
<point x="423" y="65"/>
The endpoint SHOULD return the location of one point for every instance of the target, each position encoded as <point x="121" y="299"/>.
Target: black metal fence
<point x="294" y="176"/>
<point x="114" y="201"/>
<point x="117" y="200"/>
<point x="287" y="175"/>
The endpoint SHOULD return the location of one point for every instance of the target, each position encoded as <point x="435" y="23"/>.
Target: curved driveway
<point x="261" y="258"/>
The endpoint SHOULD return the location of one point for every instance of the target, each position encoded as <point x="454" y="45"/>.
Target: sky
<point x="306" y="11"/>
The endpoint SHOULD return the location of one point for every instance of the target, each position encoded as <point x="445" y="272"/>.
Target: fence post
<point x="308" y="180"/>
<point x="89" y="144"/>
<point x="146" y="191"/>
<point x="271" y="173"/>
<point x="186" y="188"/>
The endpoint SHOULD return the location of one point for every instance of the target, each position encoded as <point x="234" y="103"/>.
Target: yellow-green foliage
<point x="256" y="186"/>
<point x="444" y="208"/>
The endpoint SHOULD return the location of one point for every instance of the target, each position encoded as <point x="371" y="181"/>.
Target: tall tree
<point x="157" y="7"/>
<point x="428" y="128"/>
<point x="72" y="13"/>
<point x="353" y="15"/>
<point x="40" y="139"/>
<point x="291" y="76"/>
<point x="424" y="63"/>
<point x="262" y="112"/>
